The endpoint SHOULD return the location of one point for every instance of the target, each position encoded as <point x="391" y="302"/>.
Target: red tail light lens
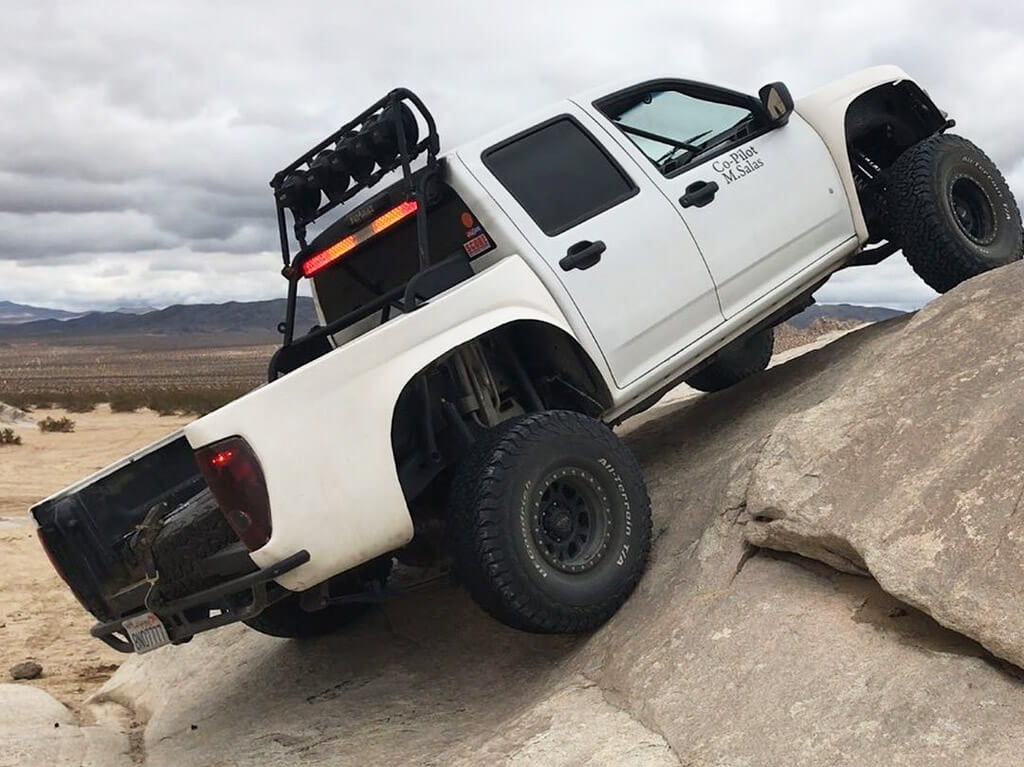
<point x="235" y="478"/>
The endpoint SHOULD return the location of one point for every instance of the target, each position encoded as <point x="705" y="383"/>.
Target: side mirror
<point x="777" y="102"/>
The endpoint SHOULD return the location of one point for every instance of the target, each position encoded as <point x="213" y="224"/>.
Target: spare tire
<point x="742" y="358"/>
<point x="189" y="535"/>
<point x="952" y="211"/>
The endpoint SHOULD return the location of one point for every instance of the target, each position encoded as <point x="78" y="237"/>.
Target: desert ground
<point x="164" y="373"/>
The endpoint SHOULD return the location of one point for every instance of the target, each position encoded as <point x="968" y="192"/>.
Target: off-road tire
<point x="742" y="358"/>
<point x="494" y="519"/>
<point x="286" y="618"/>
<point x="189" y="535"/>
<point x="953" y="211"/>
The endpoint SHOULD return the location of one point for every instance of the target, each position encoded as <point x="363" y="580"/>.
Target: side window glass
<point x="674" y="129"/>
<point x="559" y="174"/>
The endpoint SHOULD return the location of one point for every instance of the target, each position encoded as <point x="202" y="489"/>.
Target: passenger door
<point x="625" y="259"/>
<point x="763" y="202"/>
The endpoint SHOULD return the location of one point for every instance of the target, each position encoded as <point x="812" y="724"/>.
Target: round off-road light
<point x="300" y="194"/>
<point x="382" y="137"/>
<point x="354" y="153"/>
<point x="329" y="173"/>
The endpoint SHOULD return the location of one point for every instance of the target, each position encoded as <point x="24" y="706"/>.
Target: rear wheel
<point x="550" y="523"/>
<point x="953" y="211"/>
<point x="741" y="359"/>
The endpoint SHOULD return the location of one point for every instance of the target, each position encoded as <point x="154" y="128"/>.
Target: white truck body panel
<point x="625" y="399"/>
<point x="825" y="111"/>
<point x="750" y="254"/>
<point x="323" y="436"/>
<point x="664" y="297"/>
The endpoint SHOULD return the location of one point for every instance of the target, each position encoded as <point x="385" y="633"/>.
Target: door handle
<point x="698" y="194"/>
<point x="583" y="255"/>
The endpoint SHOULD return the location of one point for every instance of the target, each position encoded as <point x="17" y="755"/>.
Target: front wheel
<point x="953" y="212"/>
<point x="550" y="523"/>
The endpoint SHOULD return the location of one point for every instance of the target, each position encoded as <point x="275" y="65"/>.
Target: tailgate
<point x="86" y="528"/>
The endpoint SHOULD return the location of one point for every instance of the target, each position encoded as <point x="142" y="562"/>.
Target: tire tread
<point x="475" y="514"/>
<point x="930" y="242"/>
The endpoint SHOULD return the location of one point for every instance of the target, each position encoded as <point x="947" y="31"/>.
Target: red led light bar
<point x="326" y="257"/>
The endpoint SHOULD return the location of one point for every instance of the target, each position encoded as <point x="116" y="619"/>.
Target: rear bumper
<point x="236" y="600"/>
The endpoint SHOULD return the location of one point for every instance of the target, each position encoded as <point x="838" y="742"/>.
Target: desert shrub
<point x="73" y="401"/>
<point x="125" y="402"/>
<point x="63" y="425"/>
<point x="28" y="401"/>
<point x="182" y="399"/>
<point x="8" y="437"/>
<point x="193" y="401"/>
<point x="80" y="402"/>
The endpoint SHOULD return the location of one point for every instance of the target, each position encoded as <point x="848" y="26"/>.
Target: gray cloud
<point x="139" y="138"/>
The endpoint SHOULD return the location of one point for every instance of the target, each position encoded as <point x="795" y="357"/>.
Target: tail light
<point x="320" y="261"/>
<point x="235" y="478"/>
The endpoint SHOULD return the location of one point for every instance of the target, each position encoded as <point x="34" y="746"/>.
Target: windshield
<point x="671" y="127"/>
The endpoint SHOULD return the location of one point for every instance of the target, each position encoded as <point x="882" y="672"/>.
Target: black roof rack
<point x="397" y="107"/>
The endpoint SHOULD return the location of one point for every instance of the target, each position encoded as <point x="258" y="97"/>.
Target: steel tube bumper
<point x="228" y="597"/>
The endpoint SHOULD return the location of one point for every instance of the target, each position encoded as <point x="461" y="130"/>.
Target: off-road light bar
<point x="389" y="135"/>
<point x="361" y="157"/>
<point x="325" y="258"/>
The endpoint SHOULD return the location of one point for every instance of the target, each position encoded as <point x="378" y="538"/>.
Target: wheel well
<point x="881" y="124"/>
<point x="521" y="367"/>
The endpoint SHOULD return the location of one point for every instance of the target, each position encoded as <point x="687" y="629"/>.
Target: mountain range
<point x="233" y="317"/>
<point x="12" y="313"/>
<point x="843" y="312"/>
<point x="253" y="318"/>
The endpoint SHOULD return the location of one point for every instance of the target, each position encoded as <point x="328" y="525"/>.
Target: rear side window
<point x="559" y="174"/>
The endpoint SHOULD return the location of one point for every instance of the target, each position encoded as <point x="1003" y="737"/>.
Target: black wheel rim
<point x="972" y="210"/>
<point x="571" y="522"/>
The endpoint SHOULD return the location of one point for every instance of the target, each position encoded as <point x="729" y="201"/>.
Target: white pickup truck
<point x="485" y="319"/>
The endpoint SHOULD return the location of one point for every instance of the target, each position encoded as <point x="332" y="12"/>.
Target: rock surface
<point x="726" y="655"/>
<point x="913" y="471"/>
<point x="37" y="730"/>
<point x="12" y="416"/>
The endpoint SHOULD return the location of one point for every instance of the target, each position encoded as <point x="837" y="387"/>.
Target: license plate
<point x="146" y="632"/>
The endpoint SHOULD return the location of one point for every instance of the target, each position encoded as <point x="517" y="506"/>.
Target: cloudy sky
<point x="138" y="137"/>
